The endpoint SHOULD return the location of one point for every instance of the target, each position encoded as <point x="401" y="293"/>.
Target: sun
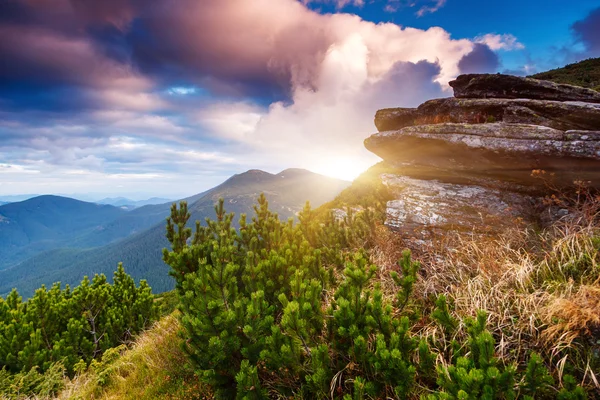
<point x="342" y="168"/>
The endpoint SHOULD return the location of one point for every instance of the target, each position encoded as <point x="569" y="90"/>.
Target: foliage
<point x="277" y="309"/>
<point x="585" y="73"/>
<point x="32" y="382"/>
<point x="137" y="238"/>
<point x="153" y="368"/>
<point x="71" y="326"/>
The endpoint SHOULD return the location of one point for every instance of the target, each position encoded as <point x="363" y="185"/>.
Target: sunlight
<point x="342" y="168"/>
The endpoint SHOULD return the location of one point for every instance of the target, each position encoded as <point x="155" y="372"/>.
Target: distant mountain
<point x="17" y="197"/>
<point x="585" y="73"/>
<point x="130" y="223"/>
<point x="125" y="202"/>
<point x="141" y="253"/>
<point x="45" y="222"/>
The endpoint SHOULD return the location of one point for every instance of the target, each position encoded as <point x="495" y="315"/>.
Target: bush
<point x="277" y="309"/>
<point x="69" y="326"/>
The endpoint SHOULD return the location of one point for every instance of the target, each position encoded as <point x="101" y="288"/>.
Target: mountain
<point x="585" y="73"/>
<point x="141" y="253"/>
<point x="45" y="222"/>
<point x="17" y="197"/>
<point x="125" y="202"/>
<point x="130" y="223"/>
<point x="4" y="202"/>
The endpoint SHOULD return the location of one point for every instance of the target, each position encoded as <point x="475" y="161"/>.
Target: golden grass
<point x="540" y="289"/>
<point x="154" y="368"/>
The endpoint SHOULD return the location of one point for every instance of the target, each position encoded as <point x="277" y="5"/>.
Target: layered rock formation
<point x="472" y="163"/>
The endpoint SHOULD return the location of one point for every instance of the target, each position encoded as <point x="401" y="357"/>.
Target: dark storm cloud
<point x="481" y="60"/>
<point x="587" y="31"/>
<point x="226" y="47"/>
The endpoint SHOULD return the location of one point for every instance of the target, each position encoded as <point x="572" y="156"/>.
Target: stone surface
<point x="423" y="207"/>
<point x="486" y="86"/>
<point x="389" y="119"/>
<point x="508" y="152"/>
<point x="553" y="114"/>
<point x="487" y="159"/>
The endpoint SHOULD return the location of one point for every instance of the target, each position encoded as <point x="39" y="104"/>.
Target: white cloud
<point x="432" y="8"/>
<point x="500" y="42"/>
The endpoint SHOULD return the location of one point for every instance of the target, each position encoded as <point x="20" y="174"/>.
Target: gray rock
<point x="425" y="206"/>
<point x="393" y="118"/>
<point x="553" y="114"/>
<point x="486" y="86"/>
<point x="507" y="152"/>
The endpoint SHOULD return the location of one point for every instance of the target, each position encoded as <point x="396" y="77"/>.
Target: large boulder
<point x="486" y="86"/>
<point x="554" y="114"/>
<point x="502" y="151"/>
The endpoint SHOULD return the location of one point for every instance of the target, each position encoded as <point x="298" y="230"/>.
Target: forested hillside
<point x="585" y="73"/>
<point x="44" y="222"/>
<point x="141" y="252"/>
<point x="331" y="307"/>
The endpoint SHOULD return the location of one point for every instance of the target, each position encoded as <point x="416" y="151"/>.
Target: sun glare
<point x="342" y="168"/>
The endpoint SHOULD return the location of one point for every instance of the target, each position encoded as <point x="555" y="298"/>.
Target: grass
<point x="539" y="287"/>
<point x="154" y="368"/>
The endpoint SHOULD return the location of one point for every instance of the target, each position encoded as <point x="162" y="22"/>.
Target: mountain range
<point x="50" y="238"/>
<point x="128" y="203"/>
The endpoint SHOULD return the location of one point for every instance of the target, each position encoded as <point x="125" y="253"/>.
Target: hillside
<point x="585" y="73"/>
<point x="424" y="316"/>
<point x="141" y="253"/>
<point x="45" y="222"/>
<point x="130" y="223"/>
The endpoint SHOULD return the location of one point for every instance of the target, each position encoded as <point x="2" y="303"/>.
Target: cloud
<point x="157" y="90"/>
<point x="481" y="60"/>
<point x="500" y="42"/>
<point x="339" y="4"/>
<point x="587" y="32"/>
<point x="429" y="9"/>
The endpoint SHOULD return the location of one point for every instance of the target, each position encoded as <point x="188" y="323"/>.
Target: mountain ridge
<point x="43" y="222"/>
<point x="141" y="252"/>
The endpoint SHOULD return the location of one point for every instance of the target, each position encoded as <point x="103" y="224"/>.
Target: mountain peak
<point x="250" y="176"/>
<point x="295" y="172"/>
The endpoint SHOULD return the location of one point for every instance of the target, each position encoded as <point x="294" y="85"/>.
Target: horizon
<point x="123" y="99"/>
<point x="95" y="197"/>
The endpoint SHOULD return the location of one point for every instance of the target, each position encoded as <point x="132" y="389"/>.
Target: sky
<point x="169" y="98"/>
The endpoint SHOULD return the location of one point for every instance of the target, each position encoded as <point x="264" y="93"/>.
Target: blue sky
<point x="126" y="97"/>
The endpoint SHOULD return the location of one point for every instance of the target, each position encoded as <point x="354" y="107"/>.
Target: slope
<point x="585" y="73"/>
<point x="132" y="222"/>
<point x="44" y="222"/>
<point x="141" y="253"/>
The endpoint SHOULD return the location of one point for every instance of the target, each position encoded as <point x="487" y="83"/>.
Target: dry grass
<point x="541" y="290"/>
<point x="154" y="368"/>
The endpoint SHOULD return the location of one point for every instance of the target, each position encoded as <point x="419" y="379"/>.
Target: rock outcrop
<point x="553" y="114"/>
<point x="516" y="87"/>
<point x="472" y="163"/>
